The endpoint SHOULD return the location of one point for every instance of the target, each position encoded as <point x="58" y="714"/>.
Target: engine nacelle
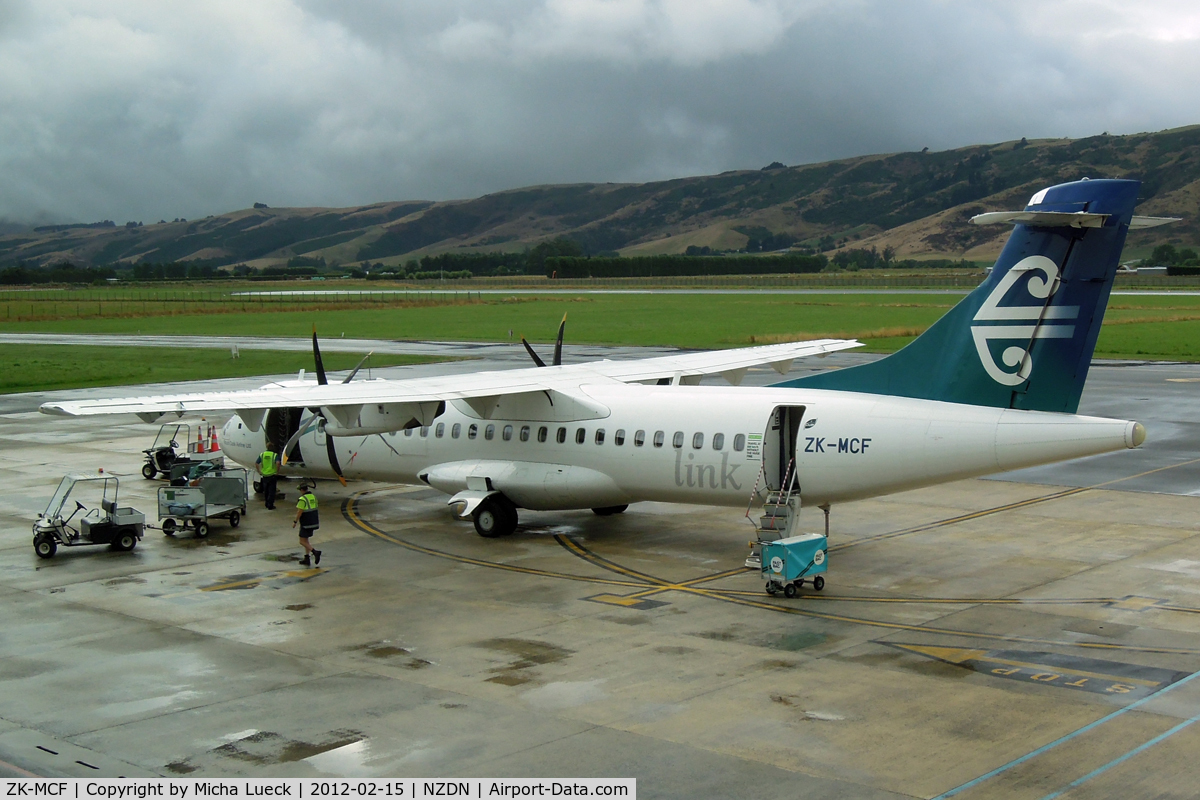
<point x="370" y="418"/>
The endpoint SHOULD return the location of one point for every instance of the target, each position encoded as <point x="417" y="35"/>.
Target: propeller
<point x="562" y="326"/>
<point x="322" y="380"/>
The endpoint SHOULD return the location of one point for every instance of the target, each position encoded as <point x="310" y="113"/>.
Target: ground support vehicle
<point x="786" y="563"/>
<point x="220" y="494"/>
<point x="166" y="457"/>
<point x="102" y="520"/>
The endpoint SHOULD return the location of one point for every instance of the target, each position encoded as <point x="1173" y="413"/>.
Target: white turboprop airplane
<point x="992" y="386"/>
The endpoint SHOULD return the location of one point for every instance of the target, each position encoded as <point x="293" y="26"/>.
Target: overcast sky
<point x="150" y="110"/>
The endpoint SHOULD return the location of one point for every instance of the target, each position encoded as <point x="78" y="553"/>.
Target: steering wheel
<point x="174" y="444"/>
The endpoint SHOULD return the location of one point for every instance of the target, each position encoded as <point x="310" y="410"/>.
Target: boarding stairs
<point x="778" y="516"/>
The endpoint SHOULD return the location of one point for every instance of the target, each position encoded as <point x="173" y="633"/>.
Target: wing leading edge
<point x="481" y="390"/>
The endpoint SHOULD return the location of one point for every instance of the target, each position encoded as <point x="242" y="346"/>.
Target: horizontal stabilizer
<point x="1063" y="219"/>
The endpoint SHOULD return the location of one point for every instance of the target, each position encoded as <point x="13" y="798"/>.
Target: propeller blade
<point x="536" y="359"/>
<point x="562" y="326"/>
<point x="303" y="429"/>
<point x="354" y="371"/>
<point x="331" y="450"/>
<point x="321" y="379"/>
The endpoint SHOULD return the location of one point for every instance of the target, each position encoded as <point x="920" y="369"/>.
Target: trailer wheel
<point x="235" y="519"/>
<point x="168" y="527"/>
<point x="790" y="591"/>
<point x="148" y="471"/>
<point x="818" y="583"/>
<point x="772" y="589"/>
<point x="125" y="541"/>
<point x="201" y="529"/>
<point x="45" y="546"/>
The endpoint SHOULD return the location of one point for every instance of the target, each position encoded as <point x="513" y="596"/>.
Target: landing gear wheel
<point x="235" y="519"/>
<point x="45" y="547"/>
<point x="790" y="591"/>
<point x="258" y="487"/>
<point x="818" y="583"/>
<point x="608" y="511"/>
<point x="148" y="471"/>
<point x="495" y="516"/>
<point x="201" y="530"/>
<point x="125" y="541"/>
<point x="168" y="527"/>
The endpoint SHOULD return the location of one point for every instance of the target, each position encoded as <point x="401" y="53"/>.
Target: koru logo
<point x="1036" y="317"/>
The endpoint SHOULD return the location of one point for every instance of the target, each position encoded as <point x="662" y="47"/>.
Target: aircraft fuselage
<point x="707" y="445"/>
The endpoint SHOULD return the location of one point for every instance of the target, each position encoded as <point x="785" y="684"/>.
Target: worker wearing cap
<point x="307" y="518"/>
<point x="268" y="468"/>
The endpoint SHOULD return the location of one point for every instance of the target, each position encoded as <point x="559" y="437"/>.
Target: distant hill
<point x="915" y="203"/>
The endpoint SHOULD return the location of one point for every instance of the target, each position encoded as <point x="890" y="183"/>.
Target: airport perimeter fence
<point x="197" y="298"/>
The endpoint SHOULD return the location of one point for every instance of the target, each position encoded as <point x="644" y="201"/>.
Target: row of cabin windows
<point x="560" y="436"/>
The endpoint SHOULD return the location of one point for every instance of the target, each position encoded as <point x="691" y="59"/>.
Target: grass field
<point x="1154" y="327"/>
<point x="28" y="368"/>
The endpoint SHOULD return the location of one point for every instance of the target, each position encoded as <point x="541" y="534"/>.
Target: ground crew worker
<point x="268" y="468"/>
<point x="309" y="521"/>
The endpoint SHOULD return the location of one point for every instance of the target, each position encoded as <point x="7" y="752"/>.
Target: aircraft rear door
<point x="779" y="447"/>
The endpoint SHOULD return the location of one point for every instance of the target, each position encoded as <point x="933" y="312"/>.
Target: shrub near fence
<point x="668" y="266"/>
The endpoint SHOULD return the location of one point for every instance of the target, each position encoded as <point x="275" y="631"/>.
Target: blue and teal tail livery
<point x="1024" y="338"/>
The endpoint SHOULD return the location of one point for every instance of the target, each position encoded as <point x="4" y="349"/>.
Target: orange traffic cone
<point x="213" y="446"/>
<point x="199" y="441"/>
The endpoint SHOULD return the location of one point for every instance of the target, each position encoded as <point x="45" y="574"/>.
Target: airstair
<point x="779" y="514"/>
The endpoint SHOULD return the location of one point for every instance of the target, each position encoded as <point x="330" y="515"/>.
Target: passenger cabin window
<point x="408" y="431"/>
<point x="472" y="431"/>
<point x="506" y="434"/>
<point x="677" y="440"/>
<point x="739" y="442"/>
<point x="424" y="431"/>
<point x="524" y="433"/>
<point x="619" y="437"/>
<point x="697" y="441"/>
<point x="659" y="438"/>
<point x="489" y="432"/>
<point x="542" y="433"/>
<point x="599" y="435"/>
<point x="639" y="438"/>
<point x="440" y="430"/>
<point x="580" y="435"/>
<point x="561" y="435"/>
<point x="455" y="430"/>
<point x="718" y="441"/>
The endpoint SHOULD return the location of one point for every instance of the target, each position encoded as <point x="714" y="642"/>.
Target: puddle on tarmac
<point x="126" y="579"/>
<point x="529" y="654"/>
<point x="266" y="747"/>
<point x="349" y="761"/>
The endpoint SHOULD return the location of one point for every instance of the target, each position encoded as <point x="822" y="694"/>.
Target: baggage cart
<point x="787" y="563"/>
<point x="220" y="494"/>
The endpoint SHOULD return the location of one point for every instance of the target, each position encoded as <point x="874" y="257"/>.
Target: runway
<point x="988" y="638"/>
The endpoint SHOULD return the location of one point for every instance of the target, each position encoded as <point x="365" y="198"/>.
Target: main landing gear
<point x="495" y="516"/>
<point x="608" y="511"/>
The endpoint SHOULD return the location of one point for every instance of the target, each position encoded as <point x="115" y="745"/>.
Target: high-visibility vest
<point x="268" y="465"/>
<point x="307" y="502"/>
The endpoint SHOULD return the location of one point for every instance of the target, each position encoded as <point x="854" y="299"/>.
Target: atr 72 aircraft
<point x="992" y="386"/>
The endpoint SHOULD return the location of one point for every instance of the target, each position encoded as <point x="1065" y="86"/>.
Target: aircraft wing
<point x="479" y="389"/>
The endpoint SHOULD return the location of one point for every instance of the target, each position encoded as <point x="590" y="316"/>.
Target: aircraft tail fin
<point x="1025" y="337"/>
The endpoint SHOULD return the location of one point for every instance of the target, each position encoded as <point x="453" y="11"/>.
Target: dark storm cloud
<point x="146" y="110"/>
